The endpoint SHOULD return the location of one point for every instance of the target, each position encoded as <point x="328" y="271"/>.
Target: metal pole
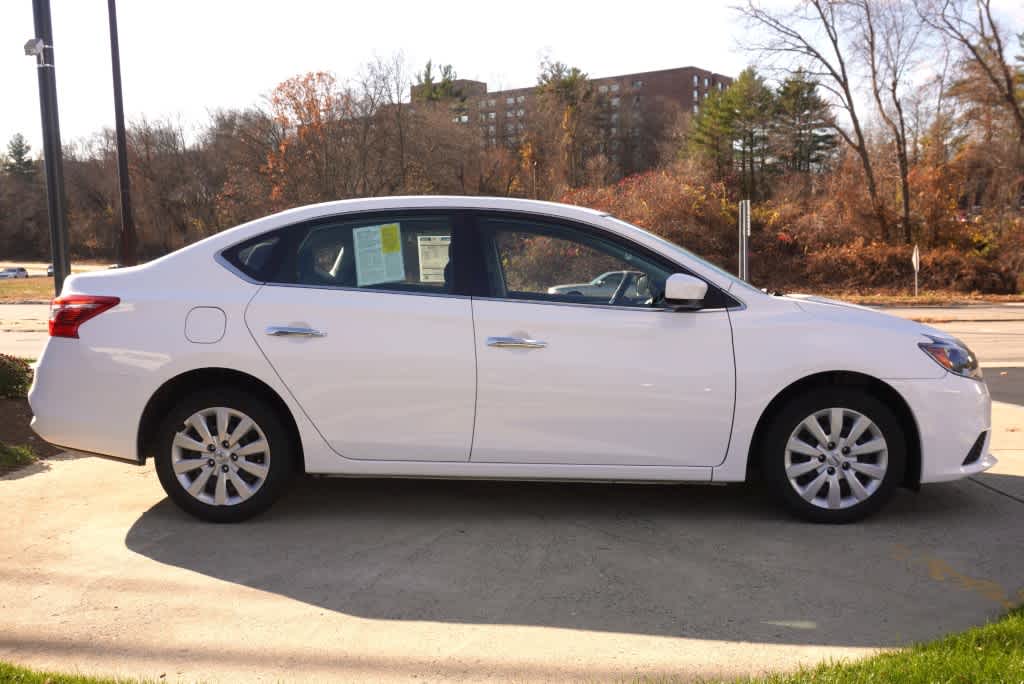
<point x="127" y="242"/>
<point x="52" y="156"/>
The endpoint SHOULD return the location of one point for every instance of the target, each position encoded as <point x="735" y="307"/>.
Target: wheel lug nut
<point x="846" y="450"/>
<point x="210" y="462"/>
<point x="224" y="468"/>
<point x="831" y="470"/>
<point x="225" y="444"/>
<point x="211" y="447"/>
<point x="846" y="466"/>
<point x="821" y="458"/>
<point x="234" y="457"/>
<point x="831" y="445"/>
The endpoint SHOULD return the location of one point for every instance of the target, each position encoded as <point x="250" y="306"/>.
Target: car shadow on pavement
<point x="702" y="562"/>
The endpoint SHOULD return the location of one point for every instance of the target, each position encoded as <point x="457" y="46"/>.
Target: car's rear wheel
<point x="223" y="455"/>
<point x="834" y="455"/>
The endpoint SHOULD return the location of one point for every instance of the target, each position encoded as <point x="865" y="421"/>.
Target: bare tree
<point x="811" y="37"/>
<point x="970" y="25"/>
<point x="889" y="42"/>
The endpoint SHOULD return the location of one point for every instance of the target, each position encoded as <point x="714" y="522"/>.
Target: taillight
<point x="71" y="311"/>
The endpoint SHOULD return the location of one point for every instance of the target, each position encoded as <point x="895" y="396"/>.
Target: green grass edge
<point x="11" y="455"/>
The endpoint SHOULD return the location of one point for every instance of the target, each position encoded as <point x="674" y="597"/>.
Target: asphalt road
<point x="378" y="580"/>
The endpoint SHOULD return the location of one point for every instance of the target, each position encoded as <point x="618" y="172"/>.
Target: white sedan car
<point x="417" y="337"/>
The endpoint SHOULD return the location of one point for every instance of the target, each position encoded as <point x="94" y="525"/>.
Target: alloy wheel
<point x="836" y="458"/>
<point x="220" y="456"/>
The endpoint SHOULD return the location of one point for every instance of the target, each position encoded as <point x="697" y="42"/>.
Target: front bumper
<point x="951" y="412"/>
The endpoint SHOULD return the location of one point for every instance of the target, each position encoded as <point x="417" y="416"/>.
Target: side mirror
<point x="685" y="291"/>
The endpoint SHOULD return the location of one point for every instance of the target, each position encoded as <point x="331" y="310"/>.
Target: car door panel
<point x="610" y="386"/>
<point x="392" y="376"/>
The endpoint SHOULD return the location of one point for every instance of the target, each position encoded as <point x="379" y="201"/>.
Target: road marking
<point x="941" y="571"/>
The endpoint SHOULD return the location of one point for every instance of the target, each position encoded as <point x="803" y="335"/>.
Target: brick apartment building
<point x="630" y="105"/>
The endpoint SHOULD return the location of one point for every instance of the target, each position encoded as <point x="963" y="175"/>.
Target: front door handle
<point x="515" y="343"/>
<point x="291" y="331"/>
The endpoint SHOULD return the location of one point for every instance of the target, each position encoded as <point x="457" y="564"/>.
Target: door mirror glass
<point x="685" y="291"/>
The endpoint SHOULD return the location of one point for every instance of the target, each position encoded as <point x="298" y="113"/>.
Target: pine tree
<point x="18" y="162"/>
<point x="803" y="134"/>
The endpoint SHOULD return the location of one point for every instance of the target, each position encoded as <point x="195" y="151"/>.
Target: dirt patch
<point x="15" y="416"/>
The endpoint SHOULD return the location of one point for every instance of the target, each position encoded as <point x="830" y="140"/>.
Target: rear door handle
<point x="515" y="343"/>
<point x="291" y="331"/>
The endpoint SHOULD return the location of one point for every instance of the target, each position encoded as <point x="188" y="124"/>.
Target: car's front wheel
<point x="223" y="455"/>
<point x="834" y="455"/>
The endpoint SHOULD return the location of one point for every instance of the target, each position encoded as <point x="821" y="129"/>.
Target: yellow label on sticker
<point x="389" y="242"/>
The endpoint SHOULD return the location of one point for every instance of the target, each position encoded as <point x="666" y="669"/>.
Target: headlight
<point x="953" y="355"/>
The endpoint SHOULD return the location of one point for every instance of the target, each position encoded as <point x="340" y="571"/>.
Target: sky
<point x="185" y="58"/>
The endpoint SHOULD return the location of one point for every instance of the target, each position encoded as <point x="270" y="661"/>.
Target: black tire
<point x="773" y="451"/>
<point x="278" y="473"/>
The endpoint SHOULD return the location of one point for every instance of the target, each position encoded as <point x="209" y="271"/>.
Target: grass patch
<point x="12" y="674"/>
<point x="37" y="289"/>
<point x="993" y="653"/>
<point x="14" y="456"/>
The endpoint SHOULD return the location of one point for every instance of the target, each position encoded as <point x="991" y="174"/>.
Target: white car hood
<point x="845" y="312"/>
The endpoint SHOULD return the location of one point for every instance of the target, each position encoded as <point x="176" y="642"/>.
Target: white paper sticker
<point x="433" y="251"/>
<point x="378" y="252"/>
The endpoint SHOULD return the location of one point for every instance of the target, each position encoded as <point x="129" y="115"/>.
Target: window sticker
<point x="433" y="250"/>
<point x="378" y="254"/>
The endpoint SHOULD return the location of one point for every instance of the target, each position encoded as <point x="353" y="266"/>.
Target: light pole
<point x="127" y="242"/>
<point x="41" y="47"/>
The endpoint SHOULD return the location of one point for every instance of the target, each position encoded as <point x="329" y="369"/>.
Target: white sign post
<point x="916" y="260"/>
<point x="744" y="234"/>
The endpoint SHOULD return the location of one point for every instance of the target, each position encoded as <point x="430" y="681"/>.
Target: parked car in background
<point x="604" y="284"/>
<point x="49" y="270"/>
<point x="17" y="272"/>
<point x="421" y="337"/>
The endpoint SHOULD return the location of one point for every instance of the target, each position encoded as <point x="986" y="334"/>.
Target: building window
<point x="464" y="118"/>
<point x="509" y="113"/>
<point x="706" y="81"/>
<point x="521" y="99"/>
<point x="490" y="115"/>
<point x="636" y="100"/>
<point x="637" y="83"/>
<point x="614" y="131"/>
<point x="521" y="113"/>
<point x="491" y="103"/>
<point x="696" y="79"/>
<point x="721" y="86"/>
<point x="490" y="129"/>
<point x="696" y="107"/>
<point x="615" y="87"/>
<point x="602" y="89"/>
<point x="615" y="102"/>
<point x="696" y="94"/>
<point x="615" y="117"/>
<point x="510" y="101"/>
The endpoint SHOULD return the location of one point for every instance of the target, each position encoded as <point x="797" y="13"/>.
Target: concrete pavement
<point x="374" y="580"/>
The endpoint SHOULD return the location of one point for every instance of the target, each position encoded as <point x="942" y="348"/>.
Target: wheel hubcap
<point x="220" y="456"/>
<point x="836" y="458"/>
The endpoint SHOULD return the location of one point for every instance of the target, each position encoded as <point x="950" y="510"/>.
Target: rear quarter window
<point x="255" y="258"/>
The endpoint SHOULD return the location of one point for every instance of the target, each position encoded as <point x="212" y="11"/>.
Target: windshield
<point x="703" y="262"/>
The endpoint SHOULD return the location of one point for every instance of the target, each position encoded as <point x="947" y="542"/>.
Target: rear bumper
<point x="80" y="406"/>
<point x="951" y="413"/>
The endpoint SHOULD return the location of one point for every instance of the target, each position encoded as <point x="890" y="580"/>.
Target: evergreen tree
<point x="803" y="133"/>
<point x="18" y="162"/>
